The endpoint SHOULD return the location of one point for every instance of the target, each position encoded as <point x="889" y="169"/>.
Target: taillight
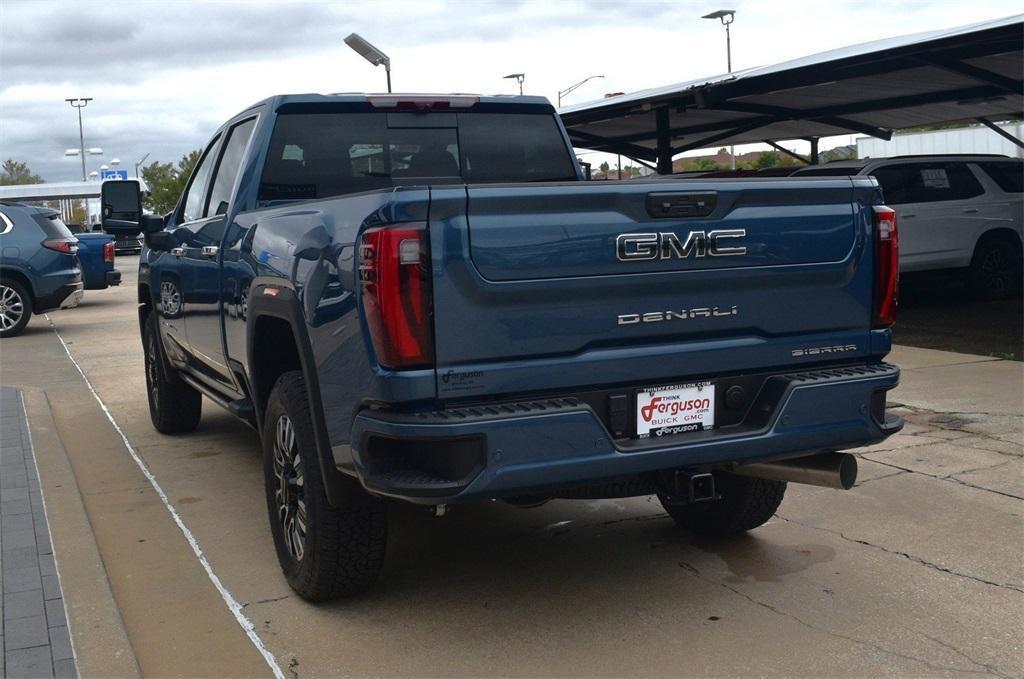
<point x="68" y="246"/>
<point x="108" y="252"/>
<point x="887" y="267"/>
<point x="394" y="271"/>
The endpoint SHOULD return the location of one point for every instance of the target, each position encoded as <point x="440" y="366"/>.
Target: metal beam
<point x="977" y="73"/>
<point x="863" y="128"/>
<point x="792" y="154"/>
<point x="593" y="141"/>
<point x="814" y="150"/>
<point x="707" y="141"/>
<point x="1001" y="132"/>
<point x="661" y="120"/>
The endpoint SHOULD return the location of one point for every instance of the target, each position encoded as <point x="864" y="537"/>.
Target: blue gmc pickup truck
<point x="417" y="298"/>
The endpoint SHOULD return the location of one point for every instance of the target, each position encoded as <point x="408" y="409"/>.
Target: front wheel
<point x="325" y="551"/>
<point x="743" y="503"/>
<point x="15" y="307"/>
<point x="174" y="407"/>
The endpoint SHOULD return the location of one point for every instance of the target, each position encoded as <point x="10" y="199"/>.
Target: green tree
<point x="16" y="172"/>
<point x="703" y="163"/>
<point x="604" y="167"/>
<point x="766" y="159"/>
<point x="166" y="182"/>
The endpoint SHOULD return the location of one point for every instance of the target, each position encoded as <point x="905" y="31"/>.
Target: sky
<point x="164" y="74"/>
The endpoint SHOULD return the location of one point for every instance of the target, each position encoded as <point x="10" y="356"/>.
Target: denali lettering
<point x="658" y="316"/>
<point x="646" y="246"/>
<point x="815" y="351"/>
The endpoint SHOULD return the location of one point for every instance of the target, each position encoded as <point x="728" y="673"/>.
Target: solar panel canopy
<point x="962" y="74"/>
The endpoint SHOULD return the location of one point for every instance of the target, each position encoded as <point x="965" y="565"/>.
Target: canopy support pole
<point x="814" y="150"/>
<point x="1001" y="132"/>
<point x="664" y="140"/>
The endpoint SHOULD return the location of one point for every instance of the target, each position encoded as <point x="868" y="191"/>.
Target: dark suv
<point x="39" y="265"/>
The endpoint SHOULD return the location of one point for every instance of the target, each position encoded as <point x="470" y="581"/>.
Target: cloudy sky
<point x="164" y="74"/>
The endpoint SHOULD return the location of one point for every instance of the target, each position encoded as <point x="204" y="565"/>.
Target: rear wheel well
<point x="1008" y="235"/>
<point x="15" y="275"/>
<point x="274" y="354"/>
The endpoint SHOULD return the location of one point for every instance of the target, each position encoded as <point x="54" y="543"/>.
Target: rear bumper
<point x="66" y="296"/>
<point x="534" y="447"/>
<point x="113" y="277"/>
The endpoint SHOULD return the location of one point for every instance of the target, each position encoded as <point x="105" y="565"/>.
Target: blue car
<point x="39" y="268"/>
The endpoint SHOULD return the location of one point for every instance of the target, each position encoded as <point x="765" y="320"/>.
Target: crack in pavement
<point x="694" y="572"/>
<point x="950" y="478"/>
<point x="905" y="555"/>
<point x="991" y="668"/>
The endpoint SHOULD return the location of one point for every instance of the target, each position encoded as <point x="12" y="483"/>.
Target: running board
<point x="241" y="408"/>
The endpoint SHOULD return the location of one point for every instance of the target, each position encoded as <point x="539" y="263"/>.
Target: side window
<point x="927" y="182"/>
<point x="895" y="181"/>
<point x="1009" y="175"/>
<point x="194" y="199"/>
<point x="227" y="170"/>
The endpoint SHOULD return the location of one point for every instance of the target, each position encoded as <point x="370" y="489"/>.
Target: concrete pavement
<point x="917" y="570"/>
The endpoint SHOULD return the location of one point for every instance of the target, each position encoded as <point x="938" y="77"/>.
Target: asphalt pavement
<point x="171" y="568"/>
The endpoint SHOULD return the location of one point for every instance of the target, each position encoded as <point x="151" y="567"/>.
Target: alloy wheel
<point x="290" y="492"/>
<point x="12" y="307"/>
<point x="170" y="299"/>
<point x="996" y="270"/>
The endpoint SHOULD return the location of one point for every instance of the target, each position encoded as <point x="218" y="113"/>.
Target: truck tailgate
<point x="550" y="286"/>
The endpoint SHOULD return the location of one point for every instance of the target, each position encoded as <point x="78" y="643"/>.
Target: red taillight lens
<point x="68" y="246"/>
<point x="108" y="252"/>
<point x="887" y="267"/>
<point x="394" y="271"/>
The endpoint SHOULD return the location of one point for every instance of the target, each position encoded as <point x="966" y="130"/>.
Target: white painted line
<point x="236" y="608"/>
<point x="46" y="517"/>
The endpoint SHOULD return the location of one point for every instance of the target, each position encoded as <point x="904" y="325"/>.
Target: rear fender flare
<point x="284" y="304"/>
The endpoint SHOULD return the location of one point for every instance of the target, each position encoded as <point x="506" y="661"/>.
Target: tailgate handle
<point x="676" y="204"/>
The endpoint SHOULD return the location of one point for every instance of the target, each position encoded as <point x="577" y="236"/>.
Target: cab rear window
<point x="323" y="154"/>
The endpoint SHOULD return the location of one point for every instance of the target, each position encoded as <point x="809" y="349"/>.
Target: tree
<point x="604" y="167"/>
<point x="703" y="163"/>
<point x="16" y="172"/>
<point x="167" y="182"/>
<point x="766" y="159"/>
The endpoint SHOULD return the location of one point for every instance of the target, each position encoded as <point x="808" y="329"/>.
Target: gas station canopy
<point x="969" y="74"/>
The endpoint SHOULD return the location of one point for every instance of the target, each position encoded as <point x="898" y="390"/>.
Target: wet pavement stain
<point x="189" y="500"/>
<point x="203" y="453"/>
<point x="748" y="557"/>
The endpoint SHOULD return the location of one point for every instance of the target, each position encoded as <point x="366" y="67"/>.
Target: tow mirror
<point x="121" y="212"/>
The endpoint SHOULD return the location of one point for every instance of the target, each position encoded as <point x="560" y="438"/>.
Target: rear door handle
<point x="971" y="211"/>
<point x="177" y="252"/>
<point x="210" y="250"/>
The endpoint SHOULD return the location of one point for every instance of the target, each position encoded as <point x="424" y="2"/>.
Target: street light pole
<point x="139" y="164"/>
<point x="80" y="103"/>
<point x="363" y="48"/>
<point x="518" y="77"/>
<point x="572" y="88"/>
<point x="726" y="16"/>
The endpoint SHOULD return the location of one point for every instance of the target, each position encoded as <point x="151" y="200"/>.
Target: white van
<point x="953" y="211"/>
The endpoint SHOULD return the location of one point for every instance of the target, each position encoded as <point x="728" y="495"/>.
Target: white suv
<point x="953" y="211"/>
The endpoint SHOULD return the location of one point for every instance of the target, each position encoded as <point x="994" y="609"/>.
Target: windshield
<point x="322" y="154"/>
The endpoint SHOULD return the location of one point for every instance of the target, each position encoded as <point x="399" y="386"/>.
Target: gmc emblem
<point x="631" y="247"/>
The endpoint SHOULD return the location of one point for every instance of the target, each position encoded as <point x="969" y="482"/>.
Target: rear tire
<point x="325" y="552"/>
<point x="744" y="504"/>
<point x="15" y="307"/>
<point x="174" y="407"/>
<point x="996" y="269"/>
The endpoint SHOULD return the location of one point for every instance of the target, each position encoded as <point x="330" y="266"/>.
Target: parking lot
<point x="916" y="571"/>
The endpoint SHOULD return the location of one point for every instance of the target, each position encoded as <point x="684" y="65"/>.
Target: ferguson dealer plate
<point x="662" y="411"/>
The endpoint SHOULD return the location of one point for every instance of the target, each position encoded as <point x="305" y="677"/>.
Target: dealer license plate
<point x="663" y="411"/>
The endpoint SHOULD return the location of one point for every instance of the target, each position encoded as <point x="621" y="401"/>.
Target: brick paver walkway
<point x="34" y="639"/>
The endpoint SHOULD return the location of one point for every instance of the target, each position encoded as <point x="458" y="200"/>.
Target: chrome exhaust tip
<point x="831" y="470"/>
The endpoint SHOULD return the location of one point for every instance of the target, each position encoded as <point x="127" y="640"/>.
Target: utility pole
<point x="518" y="77"/>
<point x="80" y="103"/>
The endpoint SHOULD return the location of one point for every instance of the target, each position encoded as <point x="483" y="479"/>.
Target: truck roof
<point x="460" y="100"/>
